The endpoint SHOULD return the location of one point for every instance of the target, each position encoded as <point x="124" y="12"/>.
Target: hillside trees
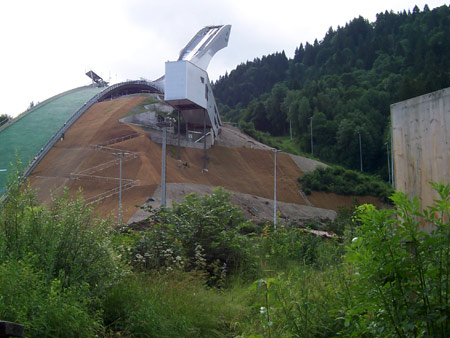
<point x="347" y="81"/>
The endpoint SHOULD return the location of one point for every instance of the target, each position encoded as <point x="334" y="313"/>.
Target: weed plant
<point x="401" y="274"/>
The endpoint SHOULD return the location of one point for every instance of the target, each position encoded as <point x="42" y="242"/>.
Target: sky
<point x="47" y="46"/>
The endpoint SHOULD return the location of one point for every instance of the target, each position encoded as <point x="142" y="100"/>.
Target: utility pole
<point x="120" y="156"/>
<point x="204" y="140"/>
<point x="360" y="151"/>
<point x="275" y="151"/>
<point x="312" y="144"/>
<point x="290" y="128"/>
<point x="163" y="126"/>
<point x="388" y="162"/>
<point x="179" y="135"/>
<point x="163" y="169"/>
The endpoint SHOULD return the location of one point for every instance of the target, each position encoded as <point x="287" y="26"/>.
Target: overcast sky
<point x="48" y="45"/>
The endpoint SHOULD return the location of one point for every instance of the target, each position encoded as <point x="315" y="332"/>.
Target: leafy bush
<point x="63" y="241"/>
<point x="55" y="263"/>
<point x="401" y="274"/>
<point x="345" y="182"/>
<point x="201" y="233"/>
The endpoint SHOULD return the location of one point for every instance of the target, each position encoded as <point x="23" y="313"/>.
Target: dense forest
<point x="343" y="85"/>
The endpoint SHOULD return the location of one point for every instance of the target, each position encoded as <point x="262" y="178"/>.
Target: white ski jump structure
<point x="186" y="83"/>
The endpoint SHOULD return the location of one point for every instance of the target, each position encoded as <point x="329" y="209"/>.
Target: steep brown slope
<point x="244" y="170"/>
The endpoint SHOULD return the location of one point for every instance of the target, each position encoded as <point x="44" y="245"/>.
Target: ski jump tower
<point x="186" y="84"/>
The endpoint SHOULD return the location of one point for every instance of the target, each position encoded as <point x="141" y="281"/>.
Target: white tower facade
<point x="186" y="84"/>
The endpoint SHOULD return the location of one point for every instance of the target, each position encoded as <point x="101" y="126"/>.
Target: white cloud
<point x="47" y="45"/>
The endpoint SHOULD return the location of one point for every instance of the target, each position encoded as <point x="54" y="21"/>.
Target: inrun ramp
<point x="28" y="134"/>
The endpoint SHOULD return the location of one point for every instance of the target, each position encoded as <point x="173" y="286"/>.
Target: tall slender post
<point x="392" y="163"/>
<point x="179" y="135"/>
<point x="312" y="144"/>
<point x="290" y="128"/>
<point x="204" y="139"/>
<point x="163" y="169"/>
<point x="360" y="151"/>
<point x="120" y="156"/>
<point x="275" y="151"/>
<point x="388" y="162"/>
<point x="120" y="190"/>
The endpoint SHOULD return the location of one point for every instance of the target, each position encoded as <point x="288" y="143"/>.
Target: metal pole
<point x="360" y="151"/>
<point x="120" y="190"/>
<point x="392" y="164"/>
<point x="204" y="140"/>
<point x="312" y="144"/>
<point x="163" y="169"/>
<point x="275" y="189"/>
<point x="388" y="162"/>
<point x="290" y="128"/>
<point x="178" y="155"/>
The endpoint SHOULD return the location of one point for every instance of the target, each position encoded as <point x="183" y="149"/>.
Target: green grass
<point x="29" y="134"/>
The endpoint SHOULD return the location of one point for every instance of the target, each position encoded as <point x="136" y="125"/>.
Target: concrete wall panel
<point x="421" y="144"/>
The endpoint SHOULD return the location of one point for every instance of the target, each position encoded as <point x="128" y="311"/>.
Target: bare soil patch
<point x="236" y="162"/>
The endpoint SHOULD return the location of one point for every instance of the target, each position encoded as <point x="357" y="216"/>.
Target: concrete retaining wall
<point x="421" y="144"/>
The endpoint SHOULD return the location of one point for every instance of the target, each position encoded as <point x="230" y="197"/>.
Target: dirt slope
<point x="245" y="170"/>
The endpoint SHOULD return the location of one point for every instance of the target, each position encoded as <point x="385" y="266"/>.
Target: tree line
<point x="342" y="86"/>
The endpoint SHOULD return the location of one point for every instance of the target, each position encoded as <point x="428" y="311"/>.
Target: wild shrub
<point x="64" y="241"/>
<point x="201" y="233"/>
<point x="45" y="309"/>
<point x="55" y="264"/>
<point x="345" y="182"/>
<point x="400" y="273"/>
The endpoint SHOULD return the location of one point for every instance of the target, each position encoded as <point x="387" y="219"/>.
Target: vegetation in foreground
<point x="201" y="270"/>
<point x="345" y="182"/>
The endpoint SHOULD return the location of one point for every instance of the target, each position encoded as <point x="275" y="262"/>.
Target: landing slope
<point x="29" y="133"/>
<point x="244" y="170"/>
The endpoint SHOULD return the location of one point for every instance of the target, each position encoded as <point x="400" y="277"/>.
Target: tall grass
<point x="64" y="273"/>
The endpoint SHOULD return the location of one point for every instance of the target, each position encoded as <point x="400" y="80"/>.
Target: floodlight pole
<point x="275" y="151"/>
<point x="204" y="140"/>
<point x="120" y="156"/>
<point x="388" y="162"/>
<point x="179" y="135"/>
<point x="312" y="143"/>
<point x="360" y="151"/>
<point x="163" y="126"/>
<point x="163" y="169"/>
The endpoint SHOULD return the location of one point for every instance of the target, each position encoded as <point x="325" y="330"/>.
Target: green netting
<point x="29" y="134"/>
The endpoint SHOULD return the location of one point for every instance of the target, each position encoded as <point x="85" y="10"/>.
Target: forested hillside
<point x="345" y="83"/>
